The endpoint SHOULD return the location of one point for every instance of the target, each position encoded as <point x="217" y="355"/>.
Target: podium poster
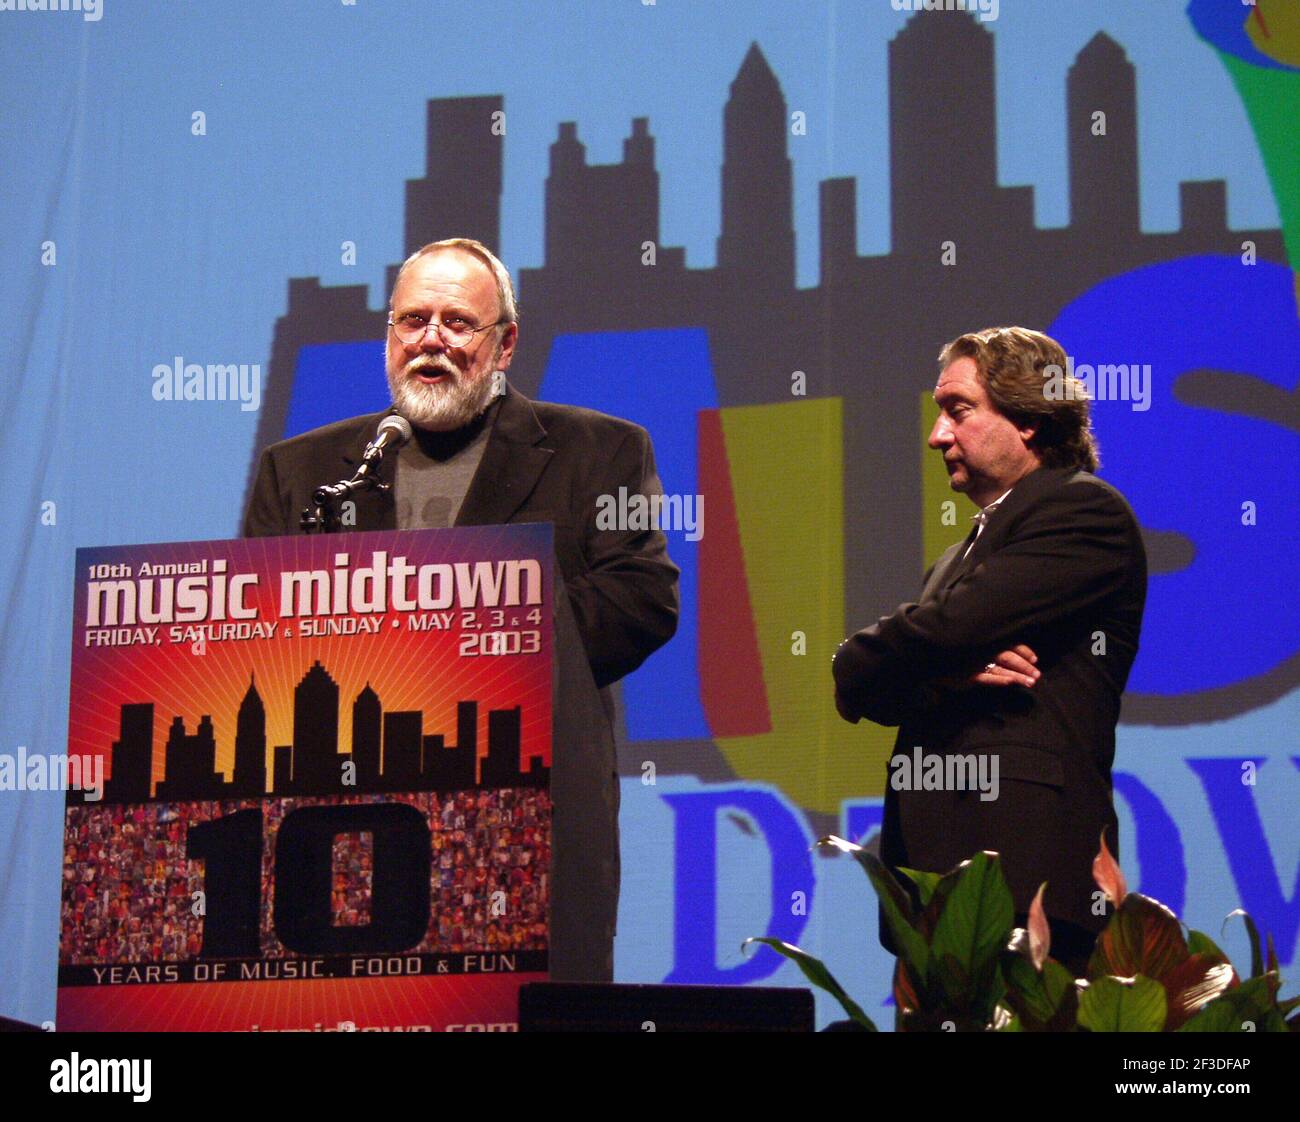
<point x="313" y="783"/>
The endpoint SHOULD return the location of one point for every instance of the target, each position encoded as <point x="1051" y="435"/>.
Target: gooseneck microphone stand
<point x="322" y="517"/>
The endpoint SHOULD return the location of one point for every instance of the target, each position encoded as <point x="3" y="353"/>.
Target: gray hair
<point x="505" y="290"/>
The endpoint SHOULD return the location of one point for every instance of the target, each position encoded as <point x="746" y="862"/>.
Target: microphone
<point x="393" y="432"/>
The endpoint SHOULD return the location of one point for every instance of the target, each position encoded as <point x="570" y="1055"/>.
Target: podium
<point x="361" y="781"/>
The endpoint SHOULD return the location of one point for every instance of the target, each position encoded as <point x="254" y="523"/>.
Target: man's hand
<point x="1014" y="667"/>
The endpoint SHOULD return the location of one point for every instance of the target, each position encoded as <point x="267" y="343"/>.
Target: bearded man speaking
<point x="484" y="454"/>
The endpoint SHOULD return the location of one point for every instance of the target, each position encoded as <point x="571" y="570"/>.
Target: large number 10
<point x="231" y="849"/>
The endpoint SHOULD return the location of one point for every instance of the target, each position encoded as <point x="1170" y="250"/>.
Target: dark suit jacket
<point x="1060" y="566"/>
<point x="542" y="463"/>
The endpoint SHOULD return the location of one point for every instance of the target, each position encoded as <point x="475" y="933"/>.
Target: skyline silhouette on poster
<point x="390" y="751"/>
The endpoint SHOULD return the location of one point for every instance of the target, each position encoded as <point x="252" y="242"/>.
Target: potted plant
<point x="964" y="966"/>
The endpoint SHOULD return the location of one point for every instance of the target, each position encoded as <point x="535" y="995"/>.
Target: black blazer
<point x="1060" y="566"/>
<point x="542" y="463"/>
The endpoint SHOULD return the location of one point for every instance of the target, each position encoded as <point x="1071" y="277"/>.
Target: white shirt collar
<point x="982" y="516"/>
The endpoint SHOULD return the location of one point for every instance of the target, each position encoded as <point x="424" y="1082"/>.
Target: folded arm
<point x="1069" y="552"/>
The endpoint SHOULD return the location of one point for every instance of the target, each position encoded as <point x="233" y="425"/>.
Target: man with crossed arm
<point x="1020" y="644"/>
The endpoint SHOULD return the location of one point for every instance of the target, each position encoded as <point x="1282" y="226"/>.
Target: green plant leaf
<point x="1143" y="937"/>
<point x="910" y="944"/>
<point x="1273" y="1021"/>
<point x="1192" y="984"/>
<point x="1256" y="957"/>
<point x="815" y="971"/>
<point x="928" y="918"/>
<point x="1123" y="1005"/>
<point x="973" y="927"/>
<point x="1218" y="1016"/>
<point x="1250" y="1007"/>
<point x="1044" y="1000"/>
<point x="925" y="882"/>
<point x="1060" y="985"/>
<point x="907" y="993"/>
<point x="949" y="984"/>
<point x="1010" y="1024"/>
<point x="895" y="903"/>
<point x="1200" y="943"/>
<point x="877" y="872"/>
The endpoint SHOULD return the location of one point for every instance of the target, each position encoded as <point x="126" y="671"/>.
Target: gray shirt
<point x="434" y="471"/>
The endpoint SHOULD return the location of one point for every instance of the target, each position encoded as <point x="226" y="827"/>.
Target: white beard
<point x="444" y="407"/>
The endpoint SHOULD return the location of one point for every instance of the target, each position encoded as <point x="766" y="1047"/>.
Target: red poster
<point x="309" y="783"/>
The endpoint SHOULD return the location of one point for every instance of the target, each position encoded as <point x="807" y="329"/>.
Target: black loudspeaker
<point x="612" y="1007"/>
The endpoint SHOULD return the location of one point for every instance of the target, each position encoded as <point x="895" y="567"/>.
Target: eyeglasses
<point x="455" y="331"/>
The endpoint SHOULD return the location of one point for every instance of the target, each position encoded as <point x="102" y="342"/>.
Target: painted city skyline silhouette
<point x="869" y="332"/>
<point x="870" y="329"/>
<point x="390" y="751"/>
